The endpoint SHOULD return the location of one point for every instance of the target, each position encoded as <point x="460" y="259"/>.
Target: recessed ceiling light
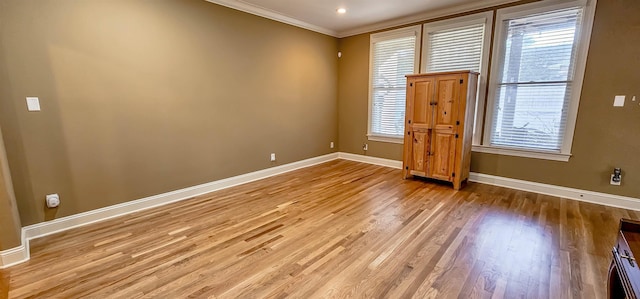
<point x="342" y="10"/>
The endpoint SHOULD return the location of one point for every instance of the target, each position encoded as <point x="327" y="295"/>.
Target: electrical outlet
<point x="616" y="177"/>
<point x="273" y="157"/>
<point x="365" y="147"/>
<point x="615" y="182"/>
<point x="331" y="144"/>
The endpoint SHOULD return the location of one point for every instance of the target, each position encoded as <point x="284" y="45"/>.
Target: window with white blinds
<point x="455" y="49"/>
<point x="393" y="55"/>
<point x="535" y="76"/>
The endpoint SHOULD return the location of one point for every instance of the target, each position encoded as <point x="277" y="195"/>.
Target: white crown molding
<point x="21" y="253"/>
<point x="272" y="15"/>
<point x="420" y="17"/>
<point x="276" y="16"/>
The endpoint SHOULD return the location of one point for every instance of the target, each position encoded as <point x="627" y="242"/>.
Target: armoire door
<point x="419" y="125"/>
<point x="443" y="139"/>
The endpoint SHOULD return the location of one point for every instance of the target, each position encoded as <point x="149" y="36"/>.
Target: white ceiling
<point x="362" y="15"/>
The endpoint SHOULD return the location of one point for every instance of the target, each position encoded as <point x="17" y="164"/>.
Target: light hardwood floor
<point x="339" y="229"/>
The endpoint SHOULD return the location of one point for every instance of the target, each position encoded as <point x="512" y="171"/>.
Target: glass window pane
<point x="388" y="111"/>
<point x="541" y="48"/>
<point x="531" y="116"/>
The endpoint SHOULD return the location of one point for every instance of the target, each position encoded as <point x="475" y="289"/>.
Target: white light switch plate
<point x="33" y="104"/>
<point x="618" y="101"/>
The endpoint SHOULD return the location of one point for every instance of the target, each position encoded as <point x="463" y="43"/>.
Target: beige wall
<point x="605" y="137"/>
<point x="9" y="219"/>
<point x="144" y="97"/>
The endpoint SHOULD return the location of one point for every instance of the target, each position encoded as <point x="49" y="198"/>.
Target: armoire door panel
<point x="443" y="156"/>
<point x="421" y="108"/>
<point x="445" y="128"/>
<point x="447" y="92"/>
<point x="420" y="151"/>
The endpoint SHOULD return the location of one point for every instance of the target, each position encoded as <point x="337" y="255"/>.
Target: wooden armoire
<point x="439" y="125"/>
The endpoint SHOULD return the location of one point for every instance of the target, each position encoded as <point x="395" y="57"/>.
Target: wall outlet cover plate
<point x="615" y="183"/>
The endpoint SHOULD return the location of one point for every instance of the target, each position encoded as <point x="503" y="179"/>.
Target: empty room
<point x="319" y="149"/>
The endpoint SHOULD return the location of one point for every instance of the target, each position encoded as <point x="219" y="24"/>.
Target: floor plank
<point x="336" y="230"/>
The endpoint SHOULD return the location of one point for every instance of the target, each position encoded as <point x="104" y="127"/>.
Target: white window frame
<point x="479" y="18"/>
<point x="583" y="40"/>
<point x="383" y="36"/>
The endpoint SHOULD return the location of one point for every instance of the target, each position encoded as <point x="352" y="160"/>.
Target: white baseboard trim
<point x="371" y="160"/>
<point x="605" y="199"/>
<point x="14" y="256"/>
<point x="20" y="254"/>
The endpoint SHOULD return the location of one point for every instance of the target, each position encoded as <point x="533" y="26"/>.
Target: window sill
<point x="521" y="153"/>
<point x="389" y="139"/>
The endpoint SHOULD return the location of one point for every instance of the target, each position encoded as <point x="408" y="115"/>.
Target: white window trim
<point x="385" y="138"/>
<point x="584" y="39"/>
<point x="382" y="36"/>
<point x="520" y="153"/>
<point x="487" y="19"/>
